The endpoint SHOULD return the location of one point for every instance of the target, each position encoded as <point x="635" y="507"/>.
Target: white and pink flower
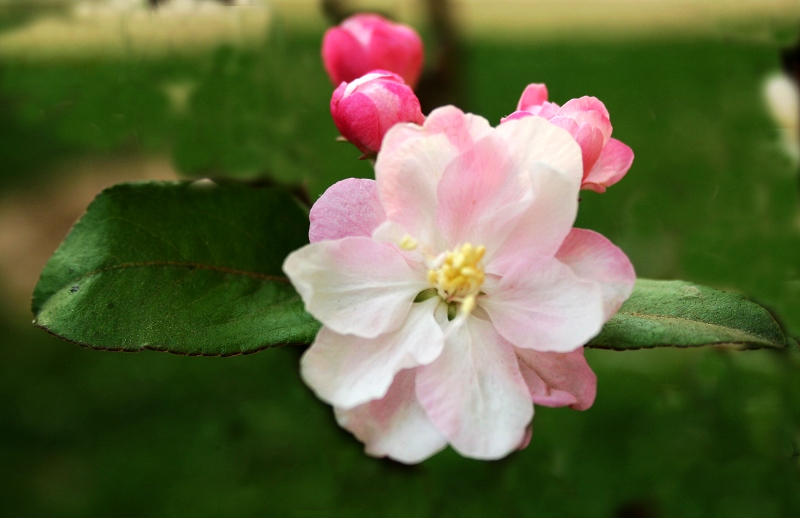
<point x="605" y="160"/>
<point x="453" y="291"/>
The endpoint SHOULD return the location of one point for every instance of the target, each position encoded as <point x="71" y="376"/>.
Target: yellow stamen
<point x="408" y="243"/>
<point x="458" y="275"/>
<point x="468" y="304"/>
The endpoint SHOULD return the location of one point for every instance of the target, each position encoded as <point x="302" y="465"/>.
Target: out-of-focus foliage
<point x="696" y="433"/>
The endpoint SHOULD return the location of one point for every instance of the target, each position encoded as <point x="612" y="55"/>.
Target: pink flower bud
<point x="605" y="159"/>
<point x="367" y="42"/>
<point x="366" y="108"/>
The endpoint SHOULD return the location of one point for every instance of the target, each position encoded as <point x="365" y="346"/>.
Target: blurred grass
<point x="710" y="199"/>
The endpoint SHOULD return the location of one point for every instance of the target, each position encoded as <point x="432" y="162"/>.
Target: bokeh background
<point x="100" y="92"/>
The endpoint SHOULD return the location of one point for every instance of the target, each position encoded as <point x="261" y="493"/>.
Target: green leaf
<point x="682" y="314"/>
<point x="179" y="267"/>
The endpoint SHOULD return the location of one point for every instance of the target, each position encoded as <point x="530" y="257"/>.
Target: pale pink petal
<point x="475" y="189"/>
<point x="347" y="371"/>
<point x="593" y="257"/>
<point x="395" y="426"/>
<point x="558" y="379"/>
<point x="411" y="162"/>
<point x="541" y="227"/>
<point x="539" y="303"/>
<point x="474" y="392"/>
<point x="348" y="208"/>
<point x="354" y="285"/>
<point x="532" y="141"/>
<point x="611" y="166"/>
<point x="535" y="94"/>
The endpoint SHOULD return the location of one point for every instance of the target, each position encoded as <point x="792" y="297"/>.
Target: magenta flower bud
<point x="366" y="108"/>
<point x="367" y="42"/>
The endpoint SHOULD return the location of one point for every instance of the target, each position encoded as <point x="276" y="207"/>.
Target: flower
<point x="605" y="159"/>
<point x="366" y="108"/>
<point x="367" y="42"/>
<point x="453" y="290"/>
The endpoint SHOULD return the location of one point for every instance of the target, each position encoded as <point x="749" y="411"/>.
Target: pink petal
<point x="395" y="426"/>
<point x="539" y="303"/>
<point x="558" y="379"/>
<point x="474" y="392"/>
<point x="535" y="94"/>
<point x="347" y="371"/>
<point x="593" y="257"/>
<point x="516" y="115"/>
<point x="354" y="285"/>
<point x="547" y="110"/>
<point x="398" y="48"/>
<point x="582" y="105"/>
<point x="612" y="165"/>
<point x="350" y="207"/>
<point x="588" y="110"/>
<point x="343" y="56"/>
<point x="589" y="138"/>
<point x="413" y="159"/>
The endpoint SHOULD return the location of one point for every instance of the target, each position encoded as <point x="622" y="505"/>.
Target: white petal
<point x="474" y="392"/>
<point x="347" y="371"/>
<point x="354" y="285"/>
<point x="395" y="426"/>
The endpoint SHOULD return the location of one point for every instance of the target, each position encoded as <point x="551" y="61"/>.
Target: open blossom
<point x="453" y="291"/>
<point x="364" y="110"/>
<point x="605" y="159"/>
<point x="367" y="42"/>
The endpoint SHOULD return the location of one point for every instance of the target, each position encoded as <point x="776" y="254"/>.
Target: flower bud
<point x="366" y="108"/>
<point x="367" y="42"/>
<point x="605" y="160"/>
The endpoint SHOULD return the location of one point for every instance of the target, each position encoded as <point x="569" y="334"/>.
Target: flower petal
<point x="474" y="392"/>
<point x="411" y="162"/>
<point x="588" y="137"/>
<point x="611" y="166"/>
<point x="595" y="258"/>
<point x="395" y="426"/>
<point x="475" y="190"/>
<point x="535" y="94"/>
<point x="348" y="208"/>
<point x="534" y="140"/>
<point x="347" y="371"/>
<point x="582" y="105"/>
<point x="539" y="303"/>
<point x="354" y="285"/>
<point x="558" y="379"/>
<point x="540" y="225"/>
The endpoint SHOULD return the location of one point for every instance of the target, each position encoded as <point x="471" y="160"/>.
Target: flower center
<point x="458" y="275"/>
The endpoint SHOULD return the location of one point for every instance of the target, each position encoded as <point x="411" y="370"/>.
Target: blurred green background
<point x="712" y="198"/>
